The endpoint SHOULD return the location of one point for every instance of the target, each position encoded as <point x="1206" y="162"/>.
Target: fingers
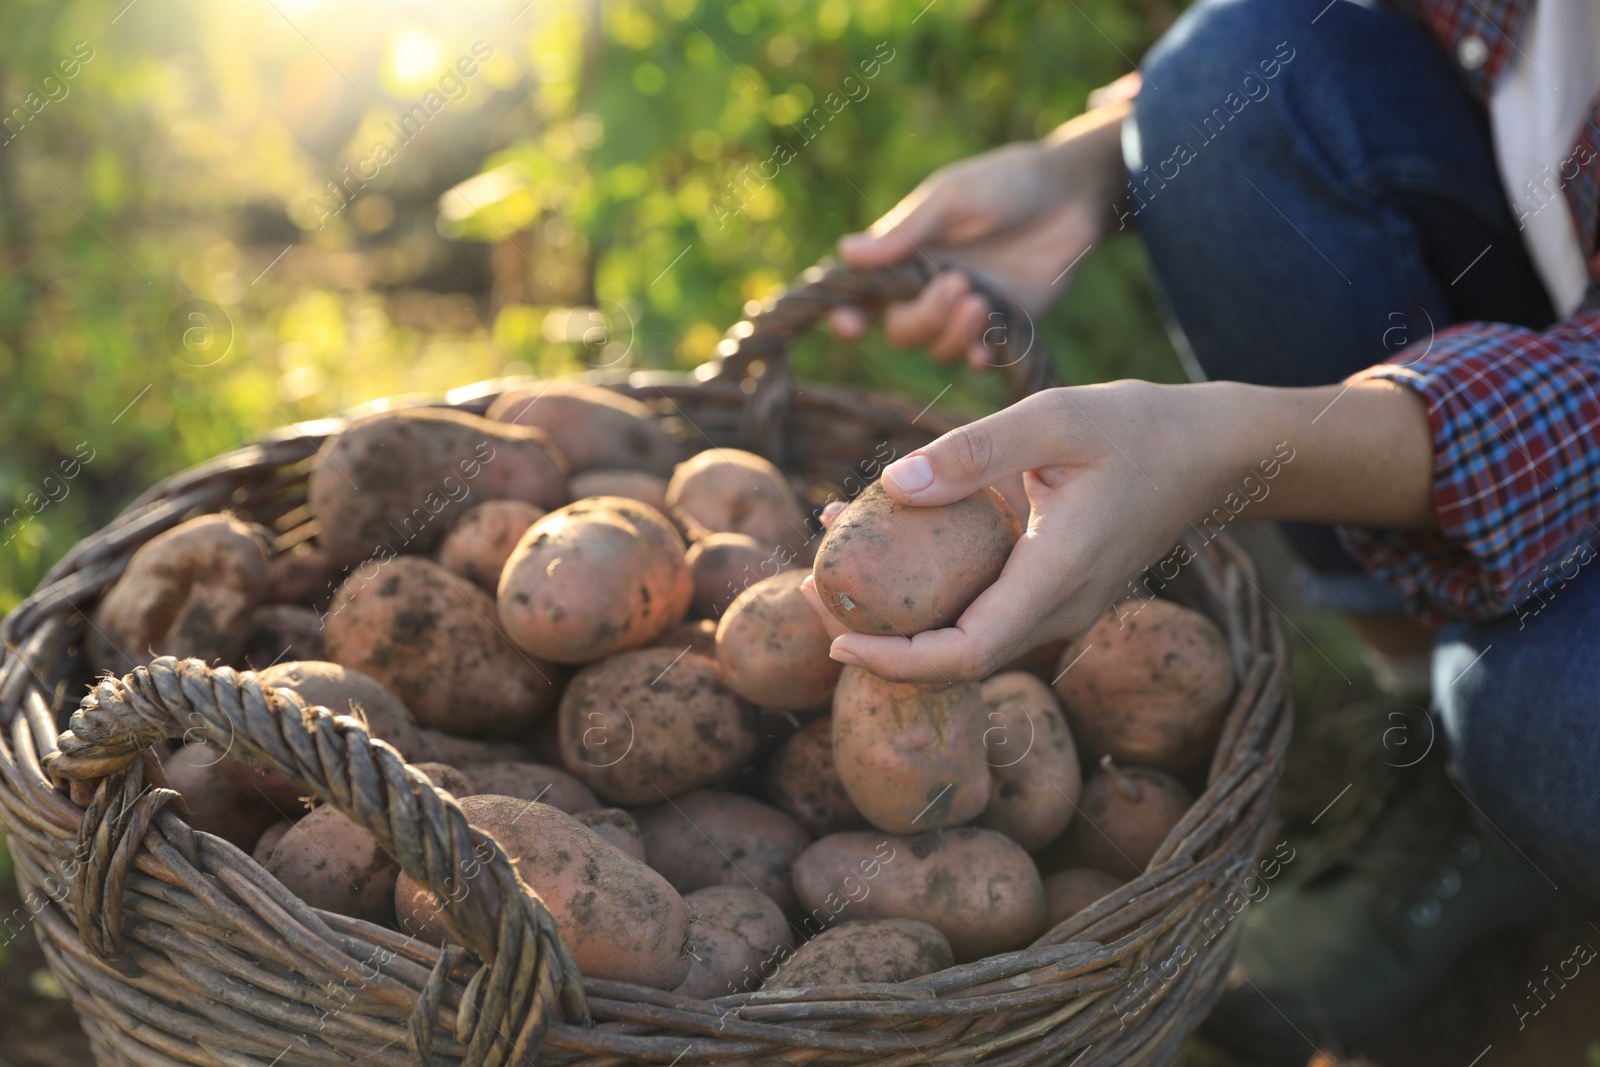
<point x="848" y="322"/>
<point x="919" y="219"/>
<point x="876" y="249"/>
<point x="1025" y="436"/>
<point x="946" y="318"/>
<point x="936" y="318"/>
<point x="964" y="325"/>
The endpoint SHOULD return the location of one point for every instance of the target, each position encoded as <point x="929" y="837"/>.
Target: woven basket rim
<point x="1066" y="996"/>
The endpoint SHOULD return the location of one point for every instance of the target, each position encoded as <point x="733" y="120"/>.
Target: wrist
<point x="1085" y="153"/>
<point x="1353" y="453"/>
<point x="1213" y="437"/>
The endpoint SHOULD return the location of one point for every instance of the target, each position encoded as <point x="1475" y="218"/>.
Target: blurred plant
<point x="617" y="177"/>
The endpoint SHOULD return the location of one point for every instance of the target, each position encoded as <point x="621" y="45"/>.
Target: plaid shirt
<point x="1515" y="413"/>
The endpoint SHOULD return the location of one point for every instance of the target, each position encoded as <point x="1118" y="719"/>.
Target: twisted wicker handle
<point x="508" y="1005"/>
<point x="755" y="352"/>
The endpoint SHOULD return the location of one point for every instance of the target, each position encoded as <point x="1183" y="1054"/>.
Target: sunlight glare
<point x="413" y="61"/>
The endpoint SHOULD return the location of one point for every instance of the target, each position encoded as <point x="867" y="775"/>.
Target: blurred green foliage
<point x="600" y="155"/>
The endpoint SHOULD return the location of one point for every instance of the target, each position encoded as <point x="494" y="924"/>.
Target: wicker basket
<point x="177" y="948"/>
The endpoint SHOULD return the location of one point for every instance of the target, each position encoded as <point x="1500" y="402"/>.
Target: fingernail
<point x="843" y="655"/>
<point x="910" y="475"/>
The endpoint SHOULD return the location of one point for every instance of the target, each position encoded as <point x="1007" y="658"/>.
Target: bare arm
<point x="1118" y="473"/>
<point x="1363" y="451"/>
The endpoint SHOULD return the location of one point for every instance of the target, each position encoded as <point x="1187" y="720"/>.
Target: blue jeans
<point x="1317" y="189"/>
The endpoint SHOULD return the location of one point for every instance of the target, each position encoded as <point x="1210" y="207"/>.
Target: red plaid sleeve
<point x="1515" y="416"/>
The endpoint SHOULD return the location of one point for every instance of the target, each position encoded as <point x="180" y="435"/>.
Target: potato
<point x="597" y="577"/>
<point x="646" y="488"/>
<point x="617" y="827"/>
<point x="773" y="650"/>
<point x="333" y="863"/>
<point x="449" y="779"/>
<point x="1042" y="662"/>
<point x="620" y="919"/>
<point x="774" y="727"/>
<point x="1033" y="764"/>
<point x="347" y="691"/>
<point x="215" y="804"/>
<point x="707" y="838"/>
<point x="736" y="937"/>
<point x="279" y="632"/>
<point x="977" y="887"/>
<point x="865" y="950"/>
<point x="1015" y="492"/>
<point x="889" y="568"/>
<point x="431" y="638"/>
<point x="595" y="428"/>
<point x="269" y="840"/>
<point x="652" y="723"/>
<point x="723" y="565"/>
<point x="440" y="747"/>
<point x="1070" y="891"/>
<point x="544" y="744"/>
<point x="1148" y="685"/>
<point x="394" y="482"/>
<point x="1125" y="814"/>
<point x="729" y="491"/>
<point x="304" y="575"/>
<point x="697" y="635"/>
<point x="911" y="759"/>
<point x="803" y="781"/>
<point x="534" y="781"/>
<point x="481" y="541"/>
<point x="342" y="691"/>
<point x="186" y="592"/>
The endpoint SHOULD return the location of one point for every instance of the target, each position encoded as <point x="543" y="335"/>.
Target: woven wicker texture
<point x="177" y="948"/>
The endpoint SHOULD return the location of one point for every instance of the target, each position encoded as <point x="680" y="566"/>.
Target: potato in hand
<point x="893" y="569"/>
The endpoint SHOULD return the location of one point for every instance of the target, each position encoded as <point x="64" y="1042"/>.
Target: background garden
<point x="233" y="216"/>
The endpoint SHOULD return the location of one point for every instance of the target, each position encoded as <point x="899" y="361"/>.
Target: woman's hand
<point x="1018" y="216"/>
<point x="1118" y="474"/>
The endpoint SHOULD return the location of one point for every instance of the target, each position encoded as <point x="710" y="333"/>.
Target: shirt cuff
<point x="1513" y="415"/>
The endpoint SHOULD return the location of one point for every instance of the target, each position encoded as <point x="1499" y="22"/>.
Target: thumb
<point x="974" y="456"/>
<point x="917" y="220"/>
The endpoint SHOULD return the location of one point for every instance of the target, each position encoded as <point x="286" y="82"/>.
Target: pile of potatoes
<point x="598" y="643"/>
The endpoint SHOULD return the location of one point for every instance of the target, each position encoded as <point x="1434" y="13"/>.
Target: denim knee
<point x="1205" y="82"/>
<point x="1520" y="700"/>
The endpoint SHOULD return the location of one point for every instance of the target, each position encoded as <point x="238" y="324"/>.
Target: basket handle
<point x="755" y="351"/>
<point x="485" y="904"/>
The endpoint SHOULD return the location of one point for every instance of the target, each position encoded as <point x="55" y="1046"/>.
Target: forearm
<point x="1085" y="152"/>
<point x="1362" y="453"/>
